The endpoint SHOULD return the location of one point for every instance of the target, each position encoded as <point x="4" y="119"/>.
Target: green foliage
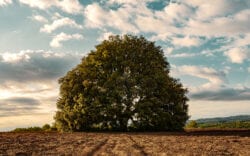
<point x="123" y="85"/>
<point x="192" y="124"/>
<point x="29" y="129"/>
<point x="53" y="127"/>
<point x="224" y="119"/>
<point x="45" y="128"/>
<point x="231" y="124"/>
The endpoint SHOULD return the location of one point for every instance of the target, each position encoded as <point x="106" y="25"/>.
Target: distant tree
<point x="192" y="124"/>
<point x="46" y="127"/>
<point x="122" y="85"/>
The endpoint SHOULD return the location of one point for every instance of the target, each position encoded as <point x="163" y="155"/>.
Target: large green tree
<point x="123" y="85"/>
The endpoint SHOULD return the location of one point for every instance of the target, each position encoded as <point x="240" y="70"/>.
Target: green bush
<point x="192" y="124"/>
<point x="45" y="128"/>
<point x="29" y="129"/>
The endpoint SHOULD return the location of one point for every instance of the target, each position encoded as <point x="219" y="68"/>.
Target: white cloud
<point x="216" y="89"/>
<point x="128" y="1"/>
<point x="209" y="9"/>
<point x="28" y="85"/>
<point x="151" y="24"/>
<point x="244" y="41"/>
<point x="238" y="55"/>
<point x="162" y="23"/>
<point x="69" y="6"/>
<point x="48" y="28"/>
<point x="121" y="1"/>
<point x="215" y="78"/>
<point x="131" y="18"/>
<point x="41" y="4"/>
<point x="97" y="17"/>
<point x="184" y="55"/>
<point x="206" y="18"/>
<point x="175" y="12"/>
<point x="14" y="58"/>
<point x="187" y="41"/>
<point x="168" y="50"/>
<point x="29" y="65"/>
<point x="135" y="16"/>
<point x="210" y="74"/>
<point x="220" y="18"/>
<point x="56" y="42"/>
<point x="105" y="36"/>
<point x="39" y="18"/>
<point x="222" y="26"/>
<point x="238" y="43"/>
<point x="5" y="2"/>
<point x="56" y="16"/>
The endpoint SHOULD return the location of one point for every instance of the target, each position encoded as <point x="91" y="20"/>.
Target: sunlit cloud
<point x="29" y="65"/>
<point x="105" y="36"/>
<point x="215" y="78"/>
<point x="39" y="18"/>
<point x="187" y="41"/>
<point x="5" y="2"/>
<point x="62" y="22"/>
<point x="62" y="37"/>
<point x="238" y="55"/>
<point x="28" y="82"/>
<point x="69" y="6"/>
<point x="97" y="17"/>
<point x="183" y="55"/>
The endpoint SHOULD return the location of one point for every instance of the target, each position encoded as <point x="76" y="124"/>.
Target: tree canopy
<point x="123" y="85"/>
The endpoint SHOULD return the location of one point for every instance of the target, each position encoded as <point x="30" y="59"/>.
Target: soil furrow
<point x="97" y="148"/>
<point x="137" y="146"/>
<point x="122" y="144"/>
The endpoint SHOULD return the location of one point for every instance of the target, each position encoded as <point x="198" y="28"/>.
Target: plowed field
<point x="134" y="144"/>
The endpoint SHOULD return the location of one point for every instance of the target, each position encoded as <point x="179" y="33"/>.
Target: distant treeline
<point x="235" y="124"/>
<point x="232" y="122"/>
<point x="242" y="121"/>
<point x="44" y="128"/>
<point x="224" y="119"/>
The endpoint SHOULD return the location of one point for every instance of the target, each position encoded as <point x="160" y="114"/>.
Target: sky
<point x="207" y="44"/>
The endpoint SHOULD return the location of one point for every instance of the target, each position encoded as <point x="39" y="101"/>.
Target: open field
<point x="136" y="144"/>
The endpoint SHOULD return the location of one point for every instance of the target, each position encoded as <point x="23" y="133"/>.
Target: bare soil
<point x="135" y="144"/>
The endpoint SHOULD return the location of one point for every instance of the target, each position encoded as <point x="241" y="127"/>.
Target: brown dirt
<point x="134" y="144"/>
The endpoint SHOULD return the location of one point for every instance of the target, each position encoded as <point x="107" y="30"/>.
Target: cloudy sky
<point x="206" y="42"/>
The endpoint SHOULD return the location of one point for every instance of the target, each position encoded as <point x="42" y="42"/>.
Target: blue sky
<point x="206" y="42"/>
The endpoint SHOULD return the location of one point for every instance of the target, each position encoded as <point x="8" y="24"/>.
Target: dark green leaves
<point x="123" y="85"/>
